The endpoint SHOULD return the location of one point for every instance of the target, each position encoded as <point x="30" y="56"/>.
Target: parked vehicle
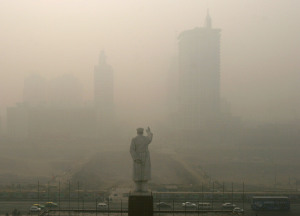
<point x="189" y="205"/>
<point x="238" y="210"/>
<point x="228" y="205"/>
<point x="270" y="203"/>
<point x="163" y="205"/>
<point x="51" y="205"/>
<point x="101" y="205"/>
<point x="34" y="209"/>
<point x="39" y="206"/>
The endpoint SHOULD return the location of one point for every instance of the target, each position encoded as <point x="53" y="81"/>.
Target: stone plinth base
<point x="140" y="204"/>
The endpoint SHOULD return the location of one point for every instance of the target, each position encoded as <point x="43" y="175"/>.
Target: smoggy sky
<point x="260" y="46"/>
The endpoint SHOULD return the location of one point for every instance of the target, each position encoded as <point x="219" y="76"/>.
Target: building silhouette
<point x="55" y="109"/>
<point x="51" y="109"/>
<point x="199" y="77"/>
<point x="104" y="92"/>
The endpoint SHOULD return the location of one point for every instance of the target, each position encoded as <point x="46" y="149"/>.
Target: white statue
<point x="141" y="159"/>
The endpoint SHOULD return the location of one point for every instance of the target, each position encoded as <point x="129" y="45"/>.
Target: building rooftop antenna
<point x="208" y="20"/>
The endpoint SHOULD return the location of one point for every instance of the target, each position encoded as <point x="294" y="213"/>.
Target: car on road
<point x="204" y="205"/>
<point x="102" y="205"/>
<point x="228" y="205"/>
<point x="34" y="209"/>
<point x="238" y="210"/>
<point x="51" y="205"/>
<point x="189" y="205"/>
<point x="163" y="205"/>
<point x="39" y="206"/>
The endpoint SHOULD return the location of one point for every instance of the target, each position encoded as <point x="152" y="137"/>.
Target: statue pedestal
<point x="140" y="204"/>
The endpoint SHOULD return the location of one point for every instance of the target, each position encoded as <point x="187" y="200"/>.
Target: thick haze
<point x="260" y="46"/>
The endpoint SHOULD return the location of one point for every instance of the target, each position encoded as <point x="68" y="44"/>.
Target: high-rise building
<point x="104" y="91"/>
<point x="199" y="76"/>
<point x="51" y="109"/>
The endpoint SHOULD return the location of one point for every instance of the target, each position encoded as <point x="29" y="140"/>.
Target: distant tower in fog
<point x="199" y="76"/>
<point x="104" y="91"/>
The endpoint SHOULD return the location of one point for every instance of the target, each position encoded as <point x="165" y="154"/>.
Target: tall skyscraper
<point x="104" y="91"/>
<point x="199" y="76"/>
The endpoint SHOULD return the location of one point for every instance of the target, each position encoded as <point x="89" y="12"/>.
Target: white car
<point x="238" y="210"/>
<point x="35" y="209"/>
<point x="101" y="205"/>
<point x="189" y="205"/>
<point x="163" y="205"/>
<point x="228" y="205"/>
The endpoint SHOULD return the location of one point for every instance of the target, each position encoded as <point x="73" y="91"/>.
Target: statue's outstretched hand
<point x="148" y="130"/>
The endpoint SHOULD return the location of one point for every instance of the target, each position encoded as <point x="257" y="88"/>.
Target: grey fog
<point x="217" y="81"/>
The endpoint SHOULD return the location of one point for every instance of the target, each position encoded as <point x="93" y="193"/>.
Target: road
<point x="23" y="207"/>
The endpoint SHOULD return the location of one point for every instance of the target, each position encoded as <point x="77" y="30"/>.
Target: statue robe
<point x="139" y="150"/>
